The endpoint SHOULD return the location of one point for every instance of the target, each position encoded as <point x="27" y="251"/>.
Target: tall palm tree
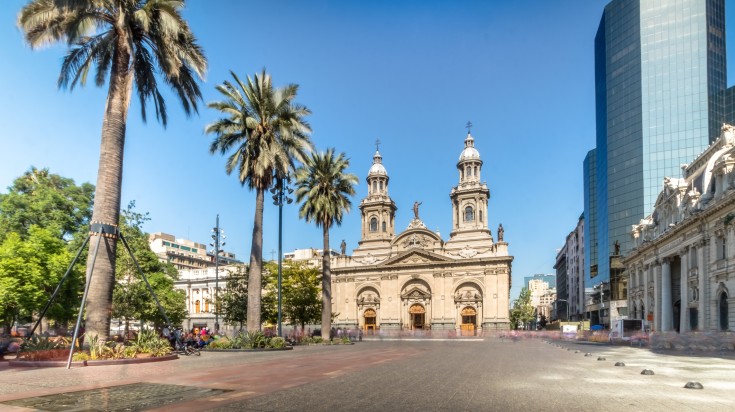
<point x="269" y="135"/>
<point x="129" y="41"/>
<point x="324" y="188"/>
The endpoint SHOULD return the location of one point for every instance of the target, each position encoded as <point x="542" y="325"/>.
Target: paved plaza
<point x="412" y="375"/>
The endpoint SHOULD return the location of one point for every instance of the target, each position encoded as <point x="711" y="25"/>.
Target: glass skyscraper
<point x="660" y="76"/>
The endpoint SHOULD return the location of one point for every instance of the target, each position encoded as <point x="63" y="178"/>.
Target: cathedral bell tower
<point x="378" y="210"/>
<point x="470" y="197"/>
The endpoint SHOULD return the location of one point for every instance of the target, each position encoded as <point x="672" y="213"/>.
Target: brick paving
<point x="416" y="375"/>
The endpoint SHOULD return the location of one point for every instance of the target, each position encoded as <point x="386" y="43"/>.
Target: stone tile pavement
<point x="421" y="375"/>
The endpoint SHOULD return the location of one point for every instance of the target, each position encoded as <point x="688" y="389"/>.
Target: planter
<point x="248" y="350"/>
<point x="99" y="362"/>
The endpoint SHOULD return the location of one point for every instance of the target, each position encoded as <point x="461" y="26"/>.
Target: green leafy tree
<point x="301" y="294"/>
<point x="269" y="299"/>
<point x="522" y="312"/>
<point x="131" y="297"/>
<point x="131" y="42"/>
<point x="30" y="270"/>
<point x="323" y="188"/>
<point x="233" y="300"/>
<point x="46" y="200"/>
<point x="267" y="133"/>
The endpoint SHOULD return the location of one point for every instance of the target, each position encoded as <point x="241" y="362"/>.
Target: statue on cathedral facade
<point x="416" y="209"/>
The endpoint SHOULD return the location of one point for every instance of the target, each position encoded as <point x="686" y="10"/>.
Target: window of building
<point x="197" y="307"/>
<point x="724" y="318"/>
<point x="469" y="214"/>
<point x="375" y="185"/>
<point x="475" y="171"/>
<point x="480" y="213"/>
<point x="721" y="245"/>
<point x="206" y="306"/>
<point x="692" y="257"/>
<point x="381" y="185"/>
<point x="374" y="224"/>
<point x="384" y="227"/>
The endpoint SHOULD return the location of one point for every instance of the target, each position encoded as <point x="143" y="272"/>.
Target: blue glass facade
<point x="590" y="216"/>
<point x="659" y="66"/>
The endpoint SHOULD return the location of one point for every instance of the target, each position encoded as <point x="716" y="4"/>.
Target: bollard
<point x="601" y="358"/>
<point x="647" y="372"/>
<point x="619" y="363"/>
<point x="694" y="385"/>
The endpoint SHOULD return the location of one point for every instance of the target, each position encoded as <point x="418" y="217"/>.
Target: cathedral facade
<point x="415" y="280"/>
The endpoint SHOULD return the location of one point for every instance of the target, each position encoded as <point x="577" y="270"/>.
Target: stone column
<point x="666" y="306"/>
<point x="684" y="294"/>
<point x="657" y="296"/>
<point x="702" y="266"/>
<point x="646" y="303"/>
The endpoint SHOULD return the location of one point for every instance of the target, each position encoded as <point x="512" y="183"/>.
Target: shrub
<point x="254" y="339"/>
<point x="80" y="356"/>
<point x="148" y="341"/>
<point x="277" y="342"/>
<point x="222" y="343"/>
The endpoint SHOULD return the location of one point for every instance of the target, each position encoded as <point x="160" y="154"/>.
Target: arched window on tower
<point x="476" y="171"/>
<point x="469" y="214"/>
<point x="374" y="224"/>
<point x="480" y="213"/>
<point x="381" y="185"/>
<point x="375" y="186"/>
<point x="384" y="227"/>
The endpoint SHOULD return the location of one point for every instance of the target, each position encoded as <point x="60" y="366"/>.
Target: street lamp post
<point x="566" y="302"/>
<point x="218" y="235"/>
<point x="279" y="196"/>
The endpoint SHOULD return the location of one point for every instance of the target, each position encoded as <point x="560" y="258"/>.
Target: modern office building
<point x="660" y="76"/>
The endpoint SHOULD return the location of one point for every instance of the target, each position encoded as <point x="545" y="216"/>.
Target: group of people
<point x="352" y="334"/>
<point x="195" y="337"/>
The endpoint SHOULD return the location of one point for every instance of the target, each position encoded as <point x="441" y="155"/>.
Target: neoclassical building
<point x="682" y="267"/>
<point x="414" y="279"/>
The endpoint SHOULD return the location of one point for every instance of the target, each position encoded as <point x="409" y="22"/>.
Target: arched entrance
<point x="417" y="315"/>
<point x="370" y="317"/>
<point x="469" y="321"/>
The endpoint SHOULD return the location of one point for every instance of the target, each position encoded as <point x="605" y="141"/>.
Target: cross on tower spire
<point x="377" y="145"/>
<point x="468" y="126"/>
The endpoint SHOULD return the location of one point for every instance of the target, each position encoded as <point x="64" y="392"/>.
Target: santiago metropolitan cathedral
<point x="415" y="280"/>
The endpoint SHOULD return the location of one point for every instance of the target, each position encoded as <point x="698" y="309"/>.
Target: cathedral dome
<point x="469" y="151"/>
<point x="377" y="168"/>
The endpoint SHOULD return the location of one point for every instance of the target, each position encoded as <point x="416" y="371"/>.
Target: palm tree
<point x="269" y="134"/>
<point x="131" y="41"/>
<point x="324" y="188"/>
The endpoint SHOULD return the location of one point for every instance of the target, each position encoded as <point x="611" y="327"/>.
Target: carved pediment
<point x="415" y="256"/>
<point x="415" y="293"/>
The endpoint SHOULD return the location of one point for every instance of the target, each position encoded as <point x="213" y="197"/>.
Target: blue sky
<point x="408" y="73"/>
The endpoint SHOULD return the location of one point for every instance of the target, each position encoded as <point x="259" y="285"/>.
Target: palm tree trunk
<point x="255" y="275"/>
<point x="326" y="286"/>
<point x="107" y="194"/>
